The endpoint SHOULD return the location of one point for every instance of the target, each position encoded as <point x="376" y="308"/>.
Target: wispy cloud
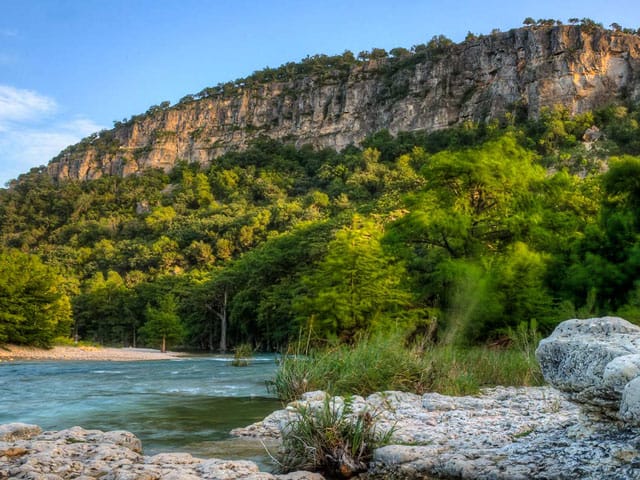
<point x="32" y="130"/>
<point x="8" y="32"/>
<point x="18" y="105"/>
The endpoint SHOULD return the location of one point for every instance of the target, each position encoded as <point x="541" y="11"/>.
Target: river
<point x="186" y="404"/>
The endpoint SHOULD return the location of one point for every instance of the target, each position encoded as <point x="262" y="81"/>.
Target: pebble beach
<point x="10" y="353"/>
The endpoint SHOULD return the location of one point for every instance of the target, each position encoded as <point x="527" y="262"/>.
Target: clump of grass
<point x="332" y="439"/>
<point x="292" y="377"/>
<point x="389" y="363"/>
<point x="242" y="355"/>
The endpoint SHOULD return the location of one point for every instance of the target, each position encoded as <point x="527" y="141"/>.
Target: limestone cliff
<point x="524" y="69"/>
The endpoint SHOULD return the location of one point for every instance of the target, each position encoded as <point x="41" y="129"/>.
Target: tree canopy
<point x="462" y="233"/>
<point x="34" y="305"/>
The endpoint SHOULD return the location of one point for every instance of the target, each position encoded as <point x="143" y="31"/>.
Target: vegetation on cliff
<point x="459" y="235"/>
<point x="335" y="101"/>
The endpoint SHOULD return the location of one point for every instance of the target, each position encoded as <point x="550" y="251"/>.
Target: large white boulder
<point x="594" y="361"/>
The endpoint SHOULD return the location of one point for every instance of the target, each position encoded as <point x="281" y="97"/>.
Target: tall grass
<point x="389" y="363"/>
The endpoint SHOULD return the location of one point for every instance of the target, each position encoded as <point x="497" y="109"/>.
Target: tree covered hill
<point x="461" y="233"/>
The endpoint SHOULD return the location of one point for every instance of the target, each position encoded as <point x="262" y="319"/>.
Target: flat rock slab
<point x="28" y="453"/>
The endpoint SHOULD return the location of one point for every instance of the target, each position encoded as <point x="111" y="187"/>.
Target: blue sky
<point x="71" y="67"/>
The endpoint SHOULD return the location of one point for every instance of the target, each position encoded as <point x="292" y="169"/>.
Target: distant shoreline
<point x="9" y="353"/>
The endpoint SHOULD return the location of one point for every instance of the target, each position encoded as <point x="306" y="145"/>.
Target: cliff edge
<point x="519" y="71"/>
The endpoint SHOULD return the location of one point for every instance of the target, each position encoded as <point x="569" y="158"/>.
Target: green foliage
<point x="607" y="260"/>
<point x="459" y="234"/>
<point x="34" y="305"/>
<point x="371" y="364"/>
<point x="333" y="439"/>
<point x="355" y="288"/>
<point x="103" y="308"/>
<point x="162" y="323"/>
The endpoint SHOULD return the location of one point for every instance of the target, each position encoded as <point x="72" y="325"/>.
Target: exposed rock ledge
<point x="518" y="433"/>
<point x="504" y="433"/>
<point x="28" y="453"/>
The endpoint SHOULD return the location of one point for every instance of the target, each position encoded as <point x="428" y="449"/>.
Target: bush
<point x="333" y="439"/>
<point x="70" y="342"/>
<point x="242" y="355"/>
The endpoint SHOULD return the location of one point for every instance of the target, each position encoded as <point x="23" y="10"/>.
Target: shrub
<point x="333" y="439"/>
<point x="242" y="355"/>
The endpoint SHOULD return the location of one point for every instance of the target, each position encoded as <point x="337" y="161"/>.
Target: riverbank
<point x="504" y="434"/>
<point x="9" y="353"/>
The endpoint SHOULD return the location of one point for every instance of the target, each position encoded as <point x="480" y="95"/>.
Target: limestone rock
<point x="630" y="402"/>
<point x="593" y="361"/>
<point x="18" y="431"/>
<point x="592" y="134"/>
<point x="501" y="434"/>
<point x="302" y="475"/>
<point x="529" y="68"/>
<point x="26" y="452"/>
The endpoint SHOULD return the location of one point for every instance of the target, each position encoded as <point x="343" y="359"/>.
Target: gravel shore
<point x="10" y="353"/>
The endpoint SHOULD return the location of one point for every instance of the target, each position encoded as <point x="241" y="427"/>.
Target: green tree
<point x="161" y="218"/>
<point x="163" y="323"/>
<point x="607" y="259"/>
<point x="103" y="311"/>
<point x="34" y="307"/>
<point x="476" y="200"/>
<point x="355" y="288"/>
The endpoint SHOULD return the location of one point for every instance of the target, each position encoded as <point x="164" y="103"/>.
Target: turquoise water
<point x="186" y="404"/>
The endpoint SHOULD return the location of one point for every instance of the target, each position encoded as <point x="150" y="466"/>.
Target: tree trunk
<point x="223" y="324"/>
<point x="164" y="344"/>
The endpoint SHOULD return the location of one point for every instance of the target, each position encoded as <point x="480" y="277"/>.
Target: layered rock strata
<point x="522" y="70"/>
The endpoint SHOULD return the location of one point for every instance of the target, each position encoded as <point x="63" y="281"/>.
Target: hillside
<point x="337" y="101"/>
<point x="461" y="234"/>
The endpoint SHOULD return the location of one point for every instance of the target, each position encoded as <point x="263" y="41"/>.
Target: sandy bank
<point x="12" y="352"/>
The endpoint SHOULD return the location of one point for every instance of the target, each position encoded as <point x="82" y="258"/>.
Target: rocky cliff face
<point x="524" y="69"/>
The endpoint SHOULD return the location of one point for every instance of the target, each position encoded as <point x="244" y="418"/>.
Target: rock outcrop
<point x="502" y="434"/>
<point x="27" y="452"/>
<point x="596" y="362"/>
<point x="522" y="70"/>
